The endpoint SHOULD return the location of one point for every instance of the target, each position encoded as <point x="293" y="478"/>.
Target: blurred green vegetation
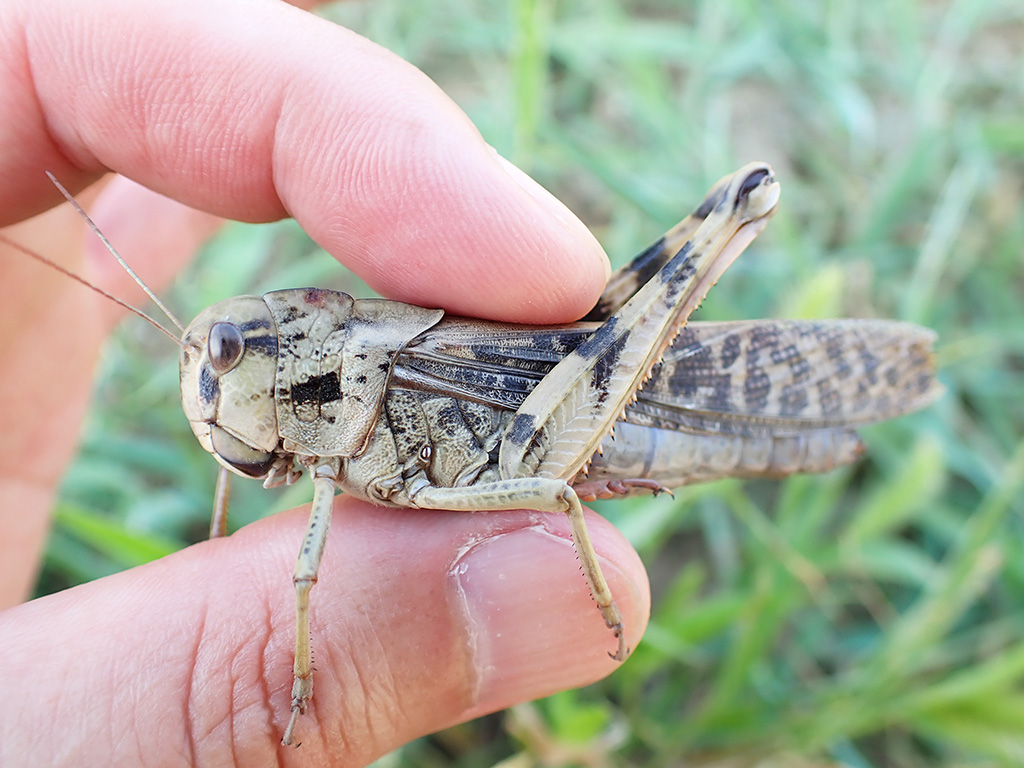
<point x="873" y="616"/>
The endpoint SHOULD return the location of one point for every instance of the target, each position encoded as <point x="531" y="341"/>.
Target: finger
<point x="50" y="331"/>
<point x="289" y="114"/>
<point x="420" y="620"/>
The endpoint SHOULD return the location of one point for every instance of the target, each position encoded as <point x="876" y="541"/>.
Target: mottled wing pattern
<point x="489" y="363"/>
<point x="747" y="377"/>
<point x="757" y="376"/>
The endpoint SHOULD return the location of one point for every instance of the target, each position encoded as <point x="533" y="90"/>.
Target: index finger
<point x="255" y="111"/>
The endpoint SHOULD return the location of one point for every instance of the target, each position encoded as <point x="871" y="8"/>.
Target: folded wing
<point x="750" y="377"/>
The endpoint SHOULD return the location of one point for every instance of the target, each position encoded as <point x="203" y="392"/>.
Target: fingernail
<point x="533" y="627"/>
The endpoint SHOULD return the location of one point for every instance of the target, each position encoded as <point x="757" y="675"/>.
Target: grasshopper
<point x="406" y="406"/>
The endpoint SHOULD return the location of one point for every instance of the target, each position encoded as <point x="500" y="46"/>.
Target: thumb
<point x="420" y="620"/>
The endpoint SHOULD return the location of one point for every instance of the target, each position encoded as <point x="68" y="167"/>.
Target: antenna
<point x="120" y="260"/>
<point x="57" y="267"/>
<point x="54" y="265"/>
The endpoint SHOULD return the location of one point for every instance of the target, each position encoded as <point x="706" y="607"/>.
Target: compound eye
<point x="225" y="346"/>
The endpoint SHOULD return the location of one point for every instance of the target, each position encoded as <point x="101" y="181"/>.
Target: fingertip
<point x="580" y="268"/>
<point x="462" y="614"/>
<point x="534" y="626"/>
<point x="435" y="217"/>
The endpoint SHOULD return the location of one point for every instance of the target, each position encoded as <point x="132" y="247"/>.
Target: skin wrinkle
<point x="276" y="716"/>
<point x="251" y="655"/>
<point x="274" y="164"/>
<point x="385" y="692"/>
<point x="455" y="571"/>
<point x="245" y="670"/>
<point x="362" y="696"/>
<point x="377" y="702"/>
<point x="140" y="753"/>
<point x="345" y="154"/>
<point x="136" y="107"/>
<point x="190" y="689"/>
<point x="366" y="166"/>
<point x="236" y="747"/>
<point x="65" y="703"/>
<point x="370" y="711"/>
<point x="477" y="270"/>
<point x="232" y="714"/>
<point x="46" y="125"/>
<point x="337" y="707"/>
<point x="33" y="93"/>
<point x="311" y="724"/>
<point x="262" y="676"/>
<point x="404" y="281"/>
<point x="78" y="137"/>
<point x="220" y="146"/>
<point x="213" y="675"/>
<point x="131" y="728"/>
<point x="355" y="155"/>
<point x="433" y="181"/>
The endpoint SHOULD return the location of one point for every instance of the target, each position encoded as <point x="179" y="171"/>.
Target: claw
<point x="289" y="732"/>
<point x="622" y="651"/>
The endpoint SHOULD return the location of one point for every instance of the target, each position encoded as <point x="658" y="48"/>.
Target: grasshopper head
<point x="228" y="364"/>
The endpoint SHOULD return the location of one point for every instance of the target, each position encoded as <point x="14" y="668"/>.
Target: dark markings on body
<point x="604" y="366"/>
<point x="522" y="427"/>
<point x="209" y="387"/>
<point x="318" y="389"/>
<point x="264" y="345"/>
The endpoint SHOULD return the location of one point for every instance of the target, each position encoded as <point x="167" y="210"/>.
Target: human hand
<point x="255" y="110"/>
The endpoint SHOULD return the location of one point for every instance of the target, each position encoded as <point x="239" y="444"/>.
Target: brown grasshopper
<point x="405" y="406"/>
